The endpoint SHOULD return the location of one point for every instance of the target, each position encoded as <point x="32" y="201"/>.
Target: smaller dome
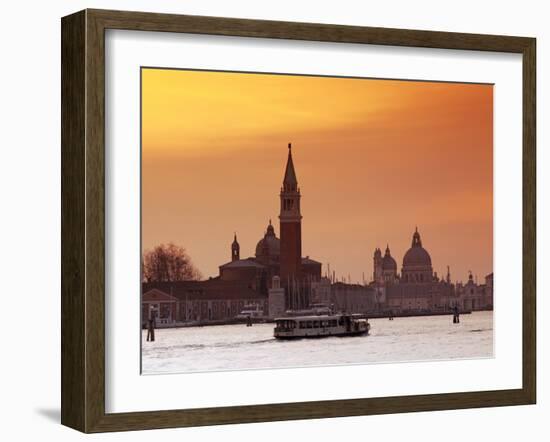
<point x="388" y="263"/>
<point x="269" y="245"/>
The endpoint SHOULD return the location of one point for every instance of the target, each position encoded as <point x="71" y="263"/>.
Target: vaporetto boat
<point x="319" y="326"/>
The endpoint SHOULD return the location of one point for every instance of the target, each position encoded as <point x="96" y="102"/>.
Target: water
<point x="236" y="347"/>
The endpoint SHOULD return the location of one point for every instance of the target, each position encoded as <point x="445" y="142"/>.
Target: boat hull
<point x="332" y="335"/>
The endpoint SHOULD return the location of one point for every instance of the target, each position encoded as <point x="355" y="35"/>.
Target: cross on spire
<point x="290" y="183"/>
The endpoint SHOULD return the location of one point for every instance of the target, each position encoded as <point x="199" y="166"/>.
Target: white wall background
<point x="30" y="216"/>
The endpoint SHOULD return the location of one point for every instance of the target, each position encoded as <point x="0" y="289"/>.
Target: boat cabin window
<point x="314" y="323"/>
<point x="286" y="324"/>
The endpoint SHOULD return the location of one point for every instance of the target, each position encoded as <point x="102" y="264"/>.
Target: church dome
<point x="269" y="245"/>
<point x="417" y="256"/>
<point x="388" y="263"/>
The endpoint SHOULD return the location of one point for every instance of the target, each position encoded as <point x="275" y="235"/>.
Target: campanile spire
<point x="290" y="183"/>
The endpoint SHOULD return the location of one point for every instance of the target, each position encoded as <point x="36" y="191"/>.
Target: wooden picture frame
<point x="83" y="220"/>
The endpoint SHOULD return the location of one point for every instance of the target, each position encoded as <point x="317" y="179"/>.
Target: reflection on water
<point x="235" y="347"/>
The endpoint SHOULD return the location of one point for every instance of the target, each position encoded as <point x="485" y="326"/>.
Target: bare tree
<point x="168" y="262"/>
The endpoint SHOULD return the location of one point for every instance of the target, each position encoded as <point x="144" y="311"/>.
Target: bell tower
<point x="235" y="249"/>
<point x="290" y="224"/>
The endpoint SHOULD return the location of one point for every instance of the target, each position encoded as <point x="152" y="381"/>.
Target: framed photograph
<point x="267" y="220"/>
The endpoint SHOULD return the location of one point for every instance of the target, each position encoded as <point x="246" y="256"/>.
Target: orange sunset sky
<point x="374" y="158"/>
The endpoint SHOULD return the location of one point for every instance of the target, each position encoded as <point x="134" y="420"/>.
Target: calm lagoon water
<point x="237" y="347"/>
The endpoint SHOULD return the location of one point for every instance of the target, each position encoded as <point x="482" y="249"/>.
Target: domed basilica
<point x="417" y="265"/>
<point x="417" y="287"/>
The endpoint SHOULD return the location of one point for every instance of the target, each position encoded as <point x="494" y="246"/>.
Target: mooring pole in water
<point x="151" y="330"/>
<point x="456" y="316"/>
<point x="151" y="324"/>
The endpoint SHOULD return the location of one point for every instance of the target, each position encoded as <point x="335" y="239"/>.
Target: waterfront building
<point x="474" y="296"/>
<point x="343" y="297"/>
<point x="213" y="300"/>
